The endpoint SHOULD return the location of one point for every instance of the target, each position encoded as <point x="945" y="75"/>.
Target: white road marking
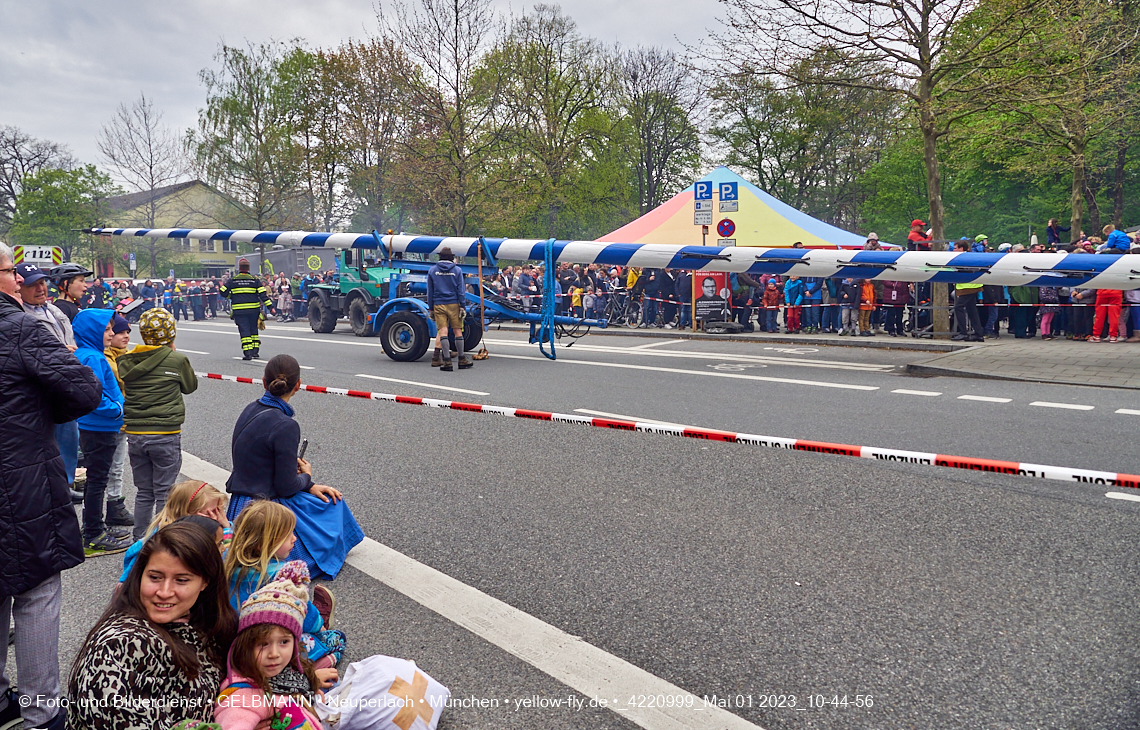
<point x="1067" y="406"/>
<point x="256" y="360"/>
<point x="1122" y="495"/>
<point x="619" y="416"/>
<point x="766" y="359"/>
<point x="904" y="391"/>
<point x="203" y="470"/>
<point x="192" y="352"/>
<point x="576" y="663"/>
<point x="1128" y="411"/>
<point x="297" y="339"/>
<point x="625" y="366"/>
<point x="656" y="344"/>
<point x="423" y="385"/>
<point x="984" y="398"/>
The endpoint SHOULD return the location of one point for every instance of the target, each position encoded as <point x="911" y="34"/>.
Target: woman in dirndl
<point x="267" y="466"/>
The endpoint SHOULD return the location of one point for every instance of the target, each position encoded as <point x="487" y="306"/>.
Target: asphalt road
<point x="954" y="599"/>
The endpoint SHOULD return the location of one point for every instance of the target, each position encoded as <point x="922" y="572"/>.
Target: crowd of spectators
<point x="213" y="615"/>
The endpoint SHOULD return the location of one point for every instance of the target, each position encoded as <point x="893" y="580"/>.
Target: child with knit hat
<point x="155" y="378"/>
<point x="270" y="683"/>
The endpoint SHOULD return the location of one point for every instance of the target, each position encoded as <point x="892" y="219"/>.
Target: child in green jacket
<point x="155" y="377"/>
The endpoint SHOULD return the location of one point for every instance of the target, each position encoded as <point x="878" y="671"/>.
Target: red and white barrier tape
<point x="1065" y="474"/>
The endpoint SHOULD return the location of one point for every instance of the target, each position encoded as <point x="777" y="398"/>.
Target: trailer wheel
<point x="321" y="318"/>
<point x="404" y="336"/>
<point x="358" y="318"/>
<point x="472" y="335"/>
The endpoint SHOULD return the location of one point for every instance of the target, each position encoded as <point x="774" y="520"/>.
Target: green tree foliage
<point x="244" y="144"/>
<point x="808" y="145"/>
<point x="53" y="205"/>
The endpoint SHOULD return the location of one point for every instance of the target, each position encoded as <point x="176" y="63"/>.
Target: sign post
<point x="133" y="265"/>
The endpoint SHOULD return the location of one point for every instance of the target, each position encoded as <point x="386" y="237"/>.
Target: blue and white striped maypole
<point x="1003" y="269"/>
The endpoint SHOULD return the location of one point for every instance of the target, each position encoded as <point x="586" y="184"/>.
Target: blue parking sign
<point x="702" y="190"/>
<point x="728" y="191"/>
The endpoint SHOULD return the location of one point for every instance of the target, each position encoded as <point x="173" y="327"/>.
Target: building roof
<point x="130" y="201"/>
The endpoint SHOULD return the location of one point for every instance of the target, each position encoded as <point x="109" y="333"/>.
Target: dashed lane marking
<point x="627" y="418"/>
<point x="1066" y="406"/>
<point x="985" y="399"/>
<point x="929" y="393"/>
<point x="262" y="362"/>
<point x="423" y="385"/>
<point x="576" y="663"/>
<point x="626" y="366"/>
<point x="1121" y="495"/>
<point x="192" y="352"/>
<point x="1128" y="412"/>
<point x="656" y="344"/>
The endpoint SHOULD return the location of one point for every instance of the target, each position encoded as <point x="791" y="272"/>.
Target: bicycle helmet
<point x="69" y="271"/>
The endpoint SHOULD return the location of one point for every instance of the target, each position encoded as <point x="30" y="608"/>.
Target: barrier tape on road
<point x="996" y="466"/>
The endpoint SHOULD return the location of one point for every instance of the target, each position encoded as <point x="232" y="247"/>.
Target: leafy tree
<point x="54" y="205"/>
<point x="808" y="145"/>
<point x="244" y="143"/>
<point x="22" y="155"/>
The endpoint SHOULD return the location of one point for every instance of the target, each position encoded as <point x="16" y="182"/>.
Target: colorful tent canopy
<point x="761" y="221"/>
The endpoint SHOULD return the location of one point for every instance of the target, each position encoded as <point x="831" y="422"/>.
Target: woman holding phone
<point x="268" y="464"/>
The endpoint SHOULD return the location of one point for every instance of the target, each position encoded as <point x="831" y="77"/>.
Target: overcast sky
<point x="65" y="65"/>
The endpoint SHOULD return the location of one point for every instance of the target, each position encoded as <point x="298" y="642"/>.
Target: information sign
<point x="702" y="218"/>
<point x="702" y="190"/>
<point x="729" y="206"/>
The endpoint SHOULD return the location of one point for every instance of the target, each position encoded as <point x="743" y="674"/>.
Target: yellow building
<point x="192" y="204"/>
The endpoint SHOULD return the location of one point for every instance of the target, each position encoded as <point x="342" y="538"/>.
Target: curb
<point x="934" y="370"/>
<point x="898" y="344"/>
<point x="1041" y="471"/>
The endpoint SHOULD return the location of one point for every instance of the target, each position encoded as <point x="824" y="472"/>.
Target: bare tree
<point x="451" y="153"/>
<point x="556" y="82"/>
<point x="145" y="155"/>
<point x="22" y="155"/>
<point x="660" y="102"/>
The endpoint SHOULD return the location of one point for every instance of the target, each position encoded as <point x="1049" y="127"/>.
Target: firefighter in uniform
<point x="246" y="294"/>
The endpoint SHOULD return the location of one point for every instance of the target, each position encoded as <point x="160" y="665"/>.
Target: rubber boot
<point x="118" y="515"/>
<point x="436" y="358"/>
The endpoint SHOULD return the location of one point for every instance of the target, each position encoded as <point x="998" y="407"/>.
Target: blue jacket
<point x="89" y="326"/>
<point x="239" y="593"/>
<point x="813" y="287"/>
<point x="445" y="284"/>
<point x="1119" y="240"/>
<point x="794" y="292"/>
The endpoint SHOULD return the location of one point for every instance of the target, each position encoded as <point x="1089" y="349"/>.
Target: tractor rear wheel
<point x="404" y="336"/>
<point x="472" y="335"/>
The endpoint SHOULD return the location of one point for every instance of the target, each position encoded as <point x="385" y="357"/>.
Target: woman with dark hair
<point x="158" y="653"/>
<point x="267" y="466"/>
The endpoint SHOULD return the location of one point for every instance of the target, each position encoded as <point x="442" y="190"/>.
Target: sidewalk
<point x="1103" y="365"/>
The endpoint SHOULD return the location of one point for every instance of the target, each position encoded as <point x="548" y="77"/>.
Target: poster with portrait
<point x="711" y="296"/>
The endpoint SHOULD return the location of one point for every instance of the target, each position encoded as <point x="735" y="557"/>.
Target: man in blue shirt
<point x="446" y="291"/>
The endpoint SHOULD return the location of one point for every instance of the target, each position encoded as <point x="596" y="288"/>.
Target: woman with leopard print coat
<point x="157" y="655"/>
